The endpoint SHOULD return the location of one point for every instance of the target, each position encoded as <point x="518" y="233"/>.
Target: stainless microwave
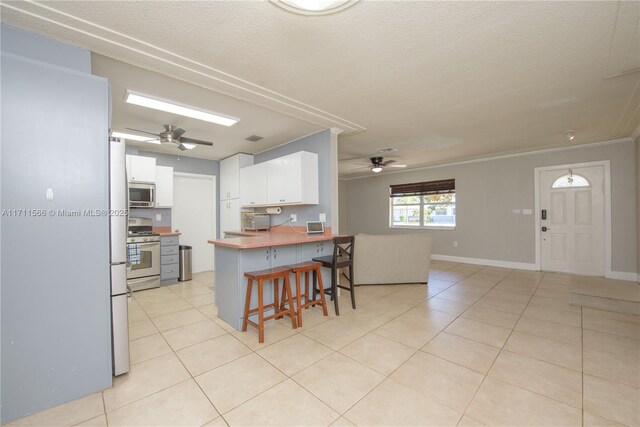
<point x="142" y="195"/>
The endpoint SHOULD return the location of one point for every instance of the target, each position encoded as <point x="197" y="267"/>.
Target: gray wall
<point x="343" y="202"/>
<point x="54" y="292"/>
<point x="319" y="143"/>
<point x="180" y="164"/>
<point x="486" y="194"/>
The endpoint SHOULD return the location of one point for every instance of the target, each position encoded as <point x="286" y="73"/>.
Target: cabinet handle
<point x="275" y="254"/>
<point x="267" y="255"/>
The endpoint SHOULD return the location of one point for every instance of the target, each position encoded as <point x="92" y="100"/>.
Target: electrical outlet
<point x="455" y="243"/>
<point x="293" y="217"/>
<point x="323" y="217"/>
<point x="158" y="217"/>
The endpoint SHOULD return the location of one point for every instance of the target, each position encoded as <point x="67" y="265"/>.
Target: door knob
<point x="545" y="229"/>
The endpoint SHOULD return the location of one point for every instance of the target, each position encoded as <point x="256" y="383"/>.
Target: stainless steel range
<point x="143" y="255"/>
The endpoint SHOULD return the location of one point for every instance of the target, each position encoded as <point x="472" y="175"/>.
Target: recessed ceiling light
<point x="132" y="137"/>
<point x="175" y="108"/>
<point x="314" y="7"/>
<point x="570" y="135"/>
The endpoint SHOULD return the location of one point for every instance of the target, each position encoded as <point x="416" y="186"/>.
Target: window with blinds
<point x="430" y="204"/>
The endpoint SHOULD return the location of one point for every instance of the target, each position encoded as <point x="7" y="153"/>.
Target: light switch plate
<point x="323" y="217"/>
<point x="158" y="217"/>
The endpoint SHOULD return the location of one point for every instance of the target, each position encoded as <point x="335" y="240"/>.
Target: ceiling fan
<point x="173" y="135"/>
<point x="377" y="163"/>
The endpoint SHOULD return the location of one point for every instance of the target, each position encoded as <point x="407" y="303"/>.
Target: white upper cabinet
<point x="164" y="187"/>
<point x="141" y="169"/>
<point x="287" y="180"/>
<point x="293" y="179"/>
<point x="230" y="175"/>
<point x="253" y="185"/>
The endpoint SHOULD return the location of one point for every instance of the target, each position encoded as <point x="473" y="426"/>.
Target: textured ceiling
<point x="440" y="81"/>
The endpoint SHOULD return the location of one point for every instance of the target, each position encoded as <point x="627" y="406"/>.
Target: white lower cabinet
<point x="229" y="215"/>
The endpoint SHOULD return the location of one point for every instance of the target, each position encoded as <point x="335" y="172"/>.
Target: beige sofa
<point x="399" y="258"/>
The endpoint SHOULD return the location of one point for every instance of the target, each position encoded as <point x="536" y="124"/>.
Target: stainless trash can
<point x="185" y="263"/>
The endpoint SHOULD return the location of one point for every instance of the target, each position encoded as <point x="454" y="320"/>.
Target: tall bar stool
<point x="342" y="258"/>
<point x="274" y="274"/>
<point x="307" y="268"/>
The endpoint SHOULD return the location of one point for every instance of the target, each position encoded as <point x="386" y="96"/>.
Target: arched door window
<point x="570" y="180"/>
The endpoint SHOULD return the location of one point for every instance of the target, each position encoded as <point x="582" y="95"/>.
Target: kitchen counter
<point x="274" y="237"/>
<point x="260" y="250"/>
<point x="166" y="231"/>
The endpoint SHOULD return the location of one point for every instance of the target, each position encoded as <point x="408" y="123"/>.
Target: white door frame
<point x="212" y="178"/>
<point x="606" y="164"/>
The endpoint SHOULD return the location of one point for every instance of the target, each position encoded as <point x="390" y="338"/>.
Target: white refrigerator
<point x="118" y="251"/>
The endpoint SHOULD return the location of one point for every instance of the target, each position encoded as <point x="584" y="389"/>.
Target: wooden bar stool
<point x="274" y="274"/>
<point x="307" y="268"/>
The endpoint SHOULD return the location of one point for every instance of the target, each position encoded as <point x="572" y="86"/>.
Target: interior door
<point x="194" y="215"/>
<point x="572" y="220"/>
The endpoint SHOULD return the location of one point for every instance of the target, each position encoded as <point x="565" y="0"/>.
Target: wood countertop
<point x="275" y="237"/>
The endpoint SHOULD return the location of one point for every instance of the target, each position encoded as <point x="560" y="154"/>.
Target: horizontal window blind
<point x="443" y="186"/>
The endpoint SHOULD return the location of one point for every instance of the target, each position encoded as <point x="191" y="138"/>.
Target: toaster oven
<point x="255" y="221"/>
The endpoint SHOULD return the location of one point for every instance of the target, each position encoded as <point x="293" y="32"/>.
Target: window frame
<point x="421" y="190"/>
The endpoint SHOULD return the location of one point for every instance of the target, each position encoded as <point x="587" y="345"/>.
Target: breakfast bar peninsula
<point x="260" y="250"/>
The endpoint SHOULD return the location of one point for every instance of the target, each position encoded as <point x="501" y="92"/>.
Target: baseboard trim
<point x="622" y="275"/>
<point x="487" y="262"/>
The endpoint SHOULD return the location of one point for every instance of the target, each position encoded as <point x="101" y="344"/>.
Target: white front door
<point x="572" y="235"/>
<point x="194" y="215"/>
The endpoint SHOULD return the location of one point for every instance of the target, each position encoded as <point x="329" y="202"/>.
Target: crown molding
<point x="498" y="156"/>
<point x="47" y="20"/>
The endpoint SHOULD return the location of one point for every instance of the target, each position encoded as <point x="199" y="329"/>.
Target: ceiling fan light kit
<point x="179" y="109"/>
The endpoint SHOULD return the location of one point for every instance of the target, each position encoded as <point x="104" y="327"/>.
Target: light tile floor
<point x="477" y="346"/>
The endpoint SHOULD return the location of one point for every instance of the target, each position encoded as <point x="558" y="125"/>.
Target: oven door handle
<point x="145" y="245"/>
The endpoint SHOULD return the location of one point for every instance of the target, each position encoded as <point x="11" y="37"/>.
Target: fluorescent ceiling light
<point x="132" y="137"/>
<point x="172" y="107"/>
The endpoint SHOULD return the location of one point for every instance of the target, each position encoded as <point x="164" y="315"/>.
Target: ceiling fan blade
<point x="177" y="133"/>
<point x="388" y="162"/>
<point x="144" y="131"/>
<point x="182" y="147"/>
<point x="195" y="141"/>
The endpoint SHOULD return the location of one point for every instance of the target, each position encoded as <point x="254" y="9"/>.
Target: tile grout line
<point x="498" y="355"/>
